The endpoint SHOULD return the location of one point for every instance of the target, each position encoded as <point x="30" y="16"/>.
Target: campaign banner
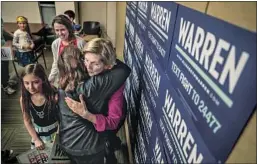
<point x="130" y="21"/>
<point x="143" y="11"/>
<point x="146" y="118"/>
<point x="127" y="22"/>
<point x="182" y="140"/>
<point x="129" y="58"/>
<point x="156" y="150"/>
<point x="141" y="146"/>
<point x="136" y="72"/>
<point x="132" y="8"/>
<point x="161" y="24"/>
<point x="212" y="67"/>
<point x="125" y="45"/>
<point x="152" y="76"/>
<point x="140" y="46"/>
<point x="149" y="127"/>
<point x="136" y="156"/>
<point x="34" y="156"/>
<point x="58" y="156"/>
<point x="133" y="101"/>
<point x="135" y="80"/>
<point x="125" y="49"/>
<point x="132" y="118"/>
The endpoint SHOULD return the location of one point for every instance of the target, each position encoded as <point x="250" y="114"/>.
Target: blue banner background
<point x="231" y="118"/>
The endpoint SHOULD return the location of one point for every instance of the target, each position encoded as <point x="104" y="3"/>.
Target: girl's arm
<point x="28" y="124"/>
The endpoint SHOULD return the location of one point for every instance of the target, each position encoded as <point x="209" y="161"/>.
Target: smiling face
<point x="32" y="84"/>
<point x="22" y="25"/>
<point x="61" y="31"/>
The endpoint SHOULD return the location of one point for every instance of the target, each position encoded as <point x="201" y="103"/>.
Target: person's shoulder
<point x="56" y="41"/>
<point x="120" y="64"/>
<point x="16" y="32"/>
<point x="120" y="69"/>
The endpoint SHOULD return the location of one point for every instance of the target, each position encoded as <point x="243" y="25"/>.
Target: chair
<point x="38" y="51"/>
<point x="92" y="28"/>
<point x="50" y="36"/>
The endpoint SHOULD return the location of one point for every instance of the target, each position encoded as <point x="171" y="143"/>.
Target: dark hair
<point x="48" y="91"/>
<point x="70" y="13"/>
<point x="70" y="77"/>
<point x="64" y="20"/>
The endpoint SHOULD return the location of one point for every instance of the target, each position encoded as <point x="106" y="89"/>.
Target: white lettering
<point x="198" y="42"/>
<point x="189" y="40"/>
<point x="216" y="55"/>
<point x="217" y="58"/>
<point x="143" y="6"/>
<point x="184" y="25"/>
<point x="233" y="71"/>
<point x="185" y="138"/>
<point x="156" y="78"/>
<point x="160" y="16"/>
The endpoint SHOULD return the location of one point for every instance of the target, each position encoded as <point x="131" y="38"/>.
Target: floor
<point x="13" y="132"/>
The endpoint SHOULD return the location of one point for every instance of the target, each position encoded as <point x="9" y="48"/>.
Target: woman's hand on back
<point x="79" y="108"/>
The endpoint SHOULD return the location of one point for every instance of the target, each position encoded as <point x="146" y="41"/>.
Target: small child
<point x="38" y="104"/>
<point x="22" y="41"/>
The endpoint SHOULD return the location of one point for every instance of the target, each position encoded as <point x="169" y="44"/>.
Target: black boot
<point x="109" y="154"/>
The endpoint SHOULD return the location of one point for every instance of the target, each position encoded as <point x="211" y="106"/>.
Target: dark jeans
<point x="5" y="73"/>
<point x="97" y="158"/>
<point x="25" y="58"/>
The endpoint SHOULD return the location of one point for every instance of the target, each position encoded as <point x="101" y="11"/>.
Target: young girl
<point x="22" y="40"/>
<point x="38" y="105"/>
<point x="71" y="69"/>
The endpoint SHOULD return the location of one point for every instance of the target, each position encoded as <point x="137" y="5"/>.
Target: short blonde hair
<point x="102" y="47"/>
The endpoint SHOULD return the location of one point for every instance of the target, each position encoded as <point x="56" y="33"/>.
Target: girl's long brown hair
<point x="70" y="77"/>
<point x="48" y="91"/>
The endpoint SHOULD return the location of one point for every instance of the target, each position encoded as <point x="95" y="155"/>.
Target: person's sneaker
<point x="8" y="90"/>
